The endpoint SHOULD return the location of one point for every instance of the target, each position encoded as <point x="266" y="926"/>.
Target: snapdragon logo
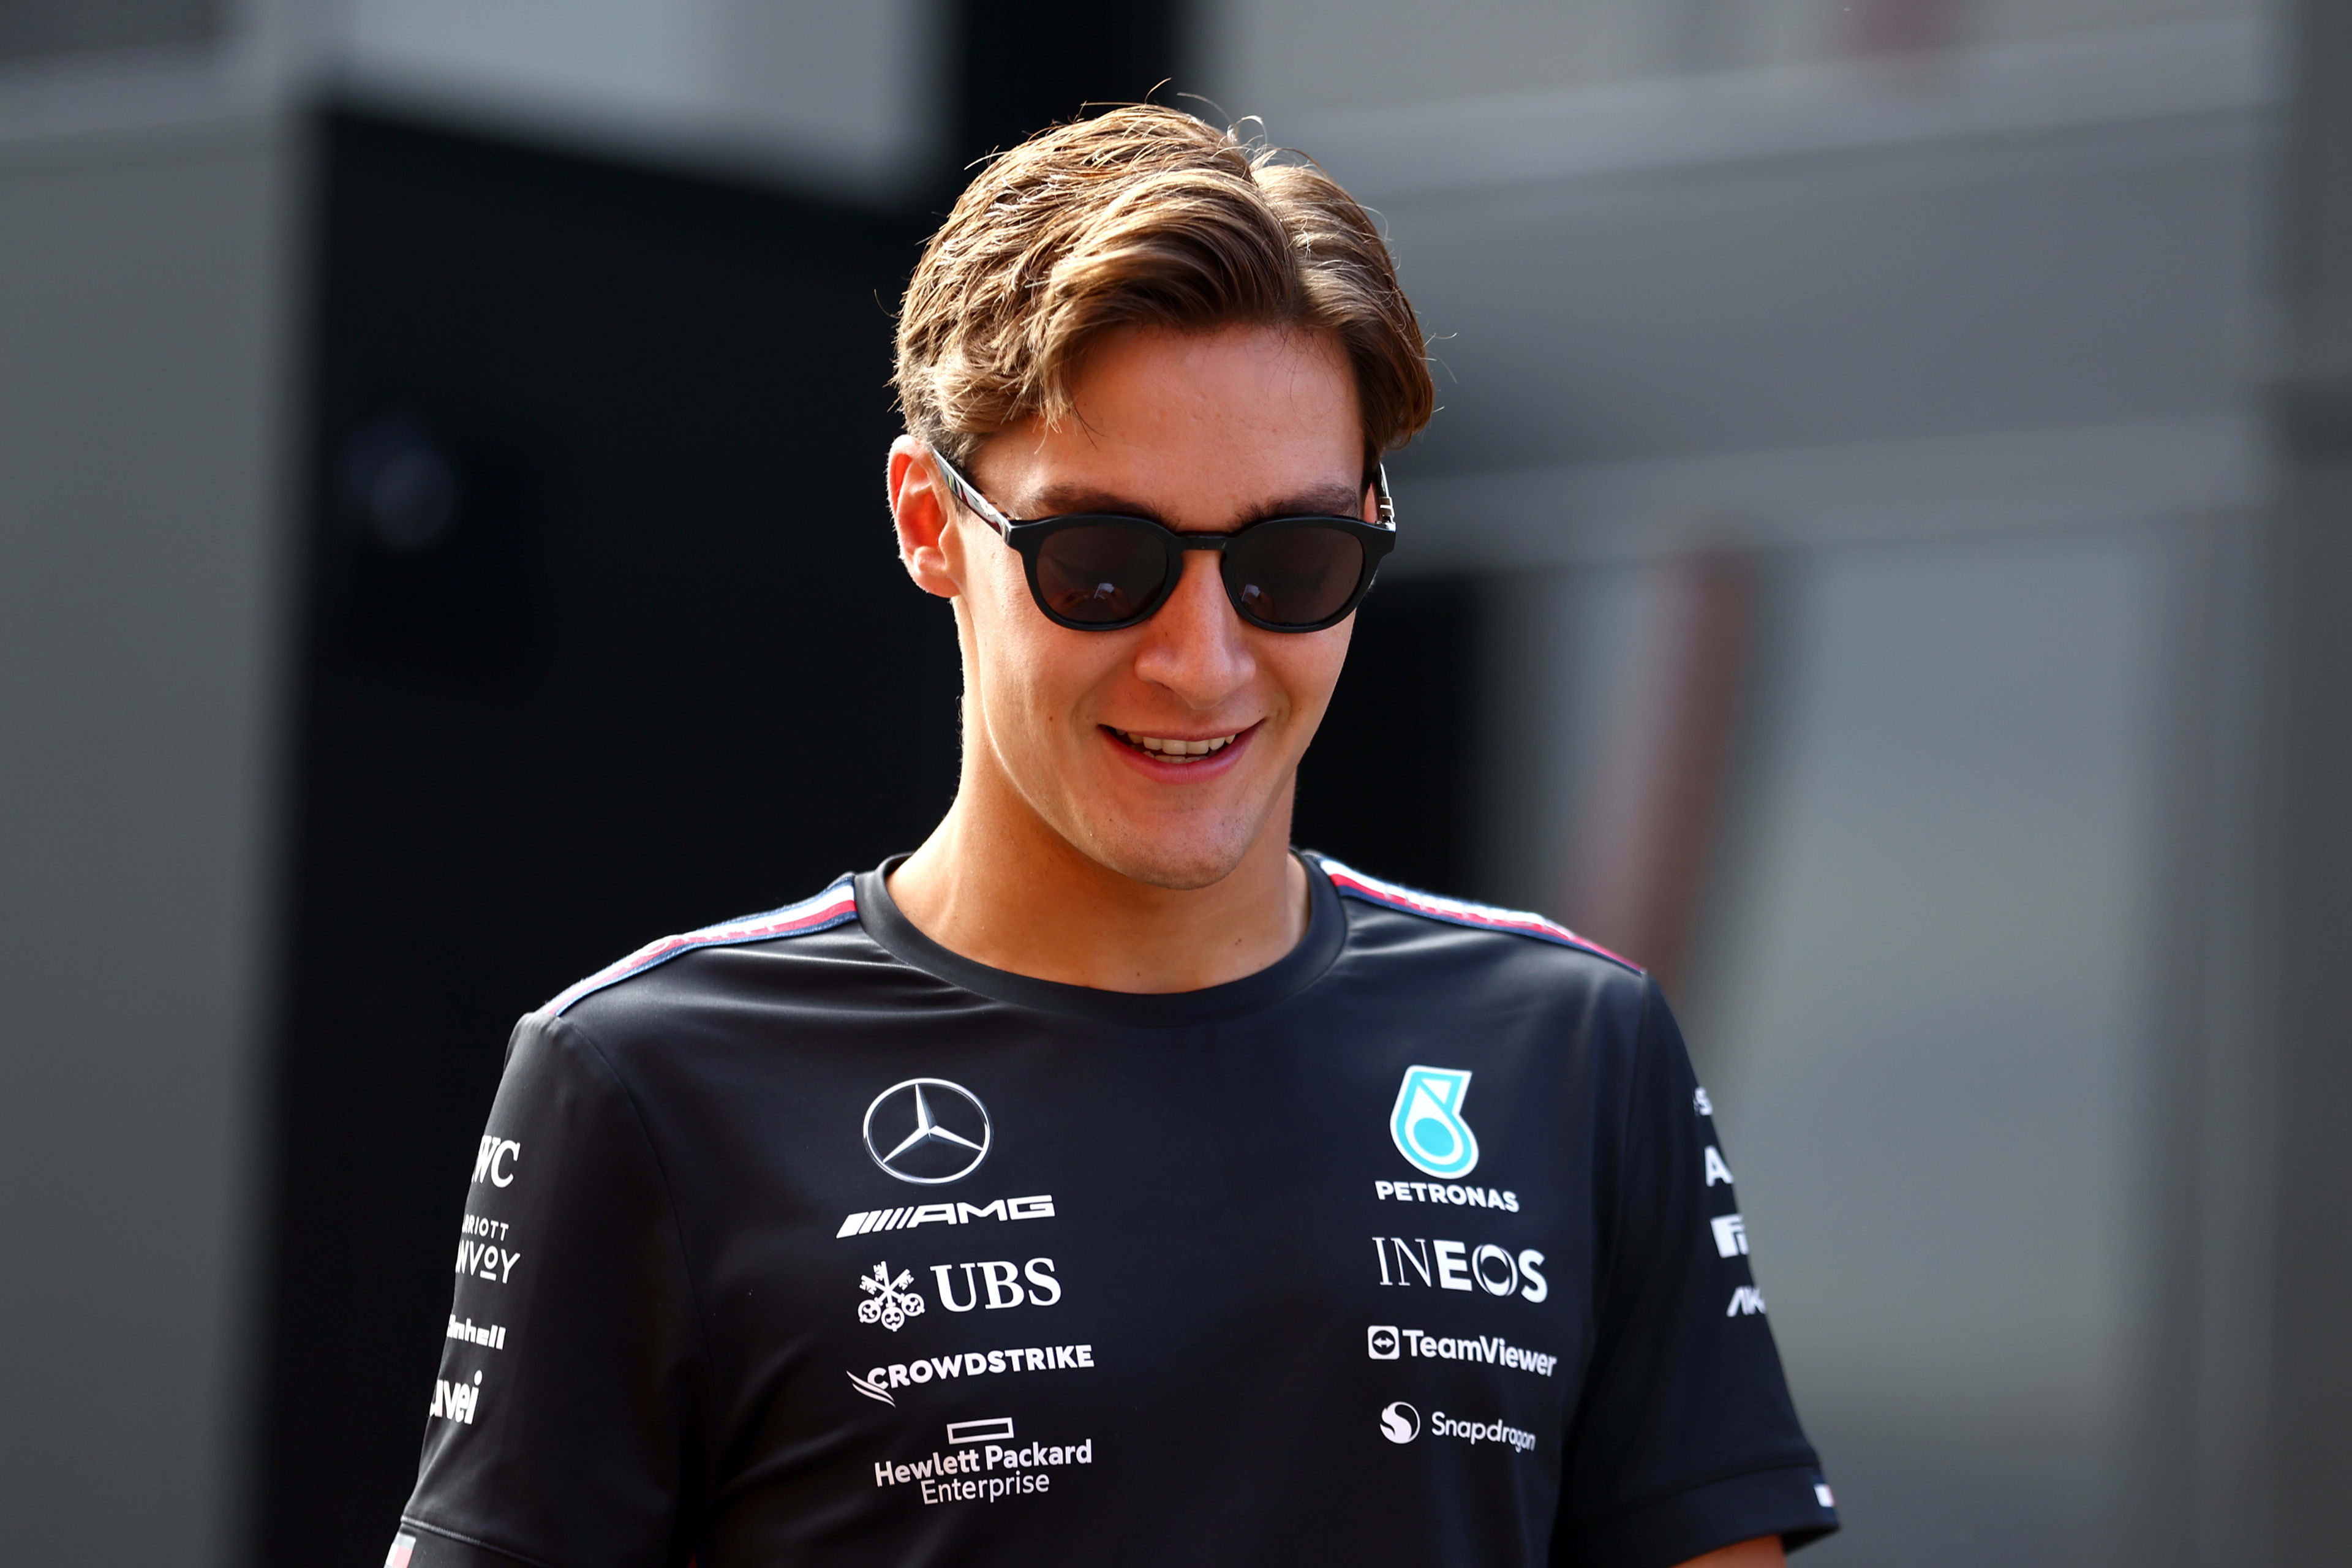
<point x="1399" y="1422"/>
<point x="1440" y="1424"/>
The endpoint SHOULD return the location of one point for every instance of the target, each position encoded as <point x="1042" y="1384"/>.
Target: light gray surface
<point x="1963" y="391"/>
<point x="2087" y="280"/>
<point x="2309" y="836"/>
<point x="1276" y="57"/>
<point x="33" y="29"/>
<point x="843" y="97"/>
<point x="141" y="310"/>
<point x="1931" y="1032"/>
<point x="1920" y="999"/>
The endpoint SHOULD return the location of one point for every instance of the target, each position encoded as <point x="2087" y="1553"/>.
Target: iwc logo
<point x="1427" y="1123"/>
<point x="928" y="1131"/>
<point x="1400" y="1423"/>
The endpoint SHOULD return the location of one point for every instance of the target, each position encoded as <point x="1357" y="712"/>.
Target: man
<point x="1106" y="1182"/>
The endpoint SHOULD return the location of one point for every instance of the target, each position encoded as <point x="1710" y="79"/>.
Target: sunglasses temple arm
<point x="973" y="501"/>
<point x="1387" y="504"/>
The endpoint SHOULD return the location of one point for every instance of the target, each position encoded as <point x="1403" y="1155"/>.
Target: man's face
<point x="1202" y="432"/>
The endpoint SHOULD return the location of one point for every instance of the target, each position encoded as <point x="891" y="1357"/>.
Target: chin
<point x="1180" y="863"/>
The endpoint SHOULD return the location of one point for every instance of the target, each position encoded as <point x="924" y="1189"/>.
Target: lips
<point x="1172" y="748"/>
<point x="1179" y="759"/>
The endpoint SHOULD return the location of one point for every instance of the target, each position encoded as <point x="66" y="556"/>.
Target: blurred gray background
<point x="1897" y="451"/>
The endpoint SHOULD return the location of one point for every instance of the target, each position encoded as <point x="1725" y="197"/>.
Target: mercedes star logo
<point x="928" y="1131"/>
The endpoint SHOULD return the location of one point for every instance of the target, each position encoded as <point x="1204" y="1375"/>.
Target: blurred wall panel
<point x="144" y="308"/>
<point x="1953" y="340"/>
<point x="1274" y="57"/>
<point x="845" y="98"/>
<point x="1931" y="1025"/>
<point x="32" y="29"/>
<point x="2308" y="833"/>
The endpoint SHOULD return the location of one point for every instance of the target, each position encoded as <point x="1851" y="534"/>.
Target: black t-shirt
<point x="802" y="1240"/>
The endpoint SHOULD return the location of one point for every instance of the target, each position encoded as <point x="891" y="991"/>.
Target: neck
<point x="1001" y="888"/>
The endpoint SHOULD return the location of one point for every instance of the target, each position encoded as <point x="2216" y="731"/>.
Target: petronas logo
<point x="1428" y="1126"/>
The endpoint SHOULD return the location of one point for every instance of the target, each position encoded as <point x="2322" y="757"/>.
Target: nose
<point x="1196" y="647"/>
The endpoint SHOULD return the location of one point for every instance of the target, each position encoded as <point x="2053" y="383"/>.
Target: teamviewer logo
<point x="1382" y="1342"/>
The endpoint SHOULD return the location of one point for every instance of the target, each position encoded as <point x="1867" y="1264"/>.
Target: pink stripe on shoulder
<point x="837" y="905"/>
<point x="1460" y="912"/>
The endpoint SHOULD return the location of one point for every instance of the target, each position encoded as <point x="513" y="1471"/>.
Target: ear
<point x="923" y="514"/>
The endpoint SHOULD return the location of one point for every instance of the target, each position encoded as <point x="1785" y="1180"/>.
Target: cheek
<point x="1306" y="667"/>
<point x="1037" y="674"/>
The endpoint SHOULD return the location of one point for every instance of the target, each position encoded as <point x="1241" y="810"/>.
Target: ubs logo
<point x="888" y="1301"/>
<point x="928" y="1131"/>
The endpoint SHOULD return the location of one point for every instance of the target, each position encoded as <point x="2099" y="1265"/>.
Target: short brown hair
<point x="1143" y="216"/>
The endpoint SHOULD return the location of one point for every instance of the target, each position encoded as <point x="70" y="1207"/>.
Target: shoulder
<point x="836" y="906"/>
<point x="1507" y="928"/>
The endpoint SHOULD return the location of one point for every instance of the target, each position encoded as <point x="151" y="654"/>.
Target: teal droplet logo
<point x="1427" y="1124"/>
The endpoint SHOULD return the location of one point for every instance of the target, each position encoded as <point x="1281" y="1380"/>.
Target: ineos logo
<point x="928" y="1131"/>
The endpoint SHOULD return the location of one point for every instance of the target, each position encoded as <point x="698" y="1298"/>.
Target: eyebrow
<point x="1065" y="501"/>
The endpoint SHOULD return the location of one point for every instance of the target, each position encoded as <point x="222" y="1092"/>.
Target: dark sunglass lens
<point x="1294" y="577"/>
<point x="1099" y="573"/>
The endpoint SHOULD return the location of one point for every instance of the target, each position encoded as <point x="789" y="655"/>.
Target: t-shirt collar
<point x="1293" y="972"/>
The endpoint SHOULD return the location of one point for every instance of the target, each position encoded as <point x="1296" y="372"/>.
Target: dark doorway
<point x="604" y="637"/>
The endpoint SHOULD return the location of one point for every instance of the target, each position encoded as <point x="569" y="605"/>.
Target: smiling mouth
<point x="1172" y="751"/>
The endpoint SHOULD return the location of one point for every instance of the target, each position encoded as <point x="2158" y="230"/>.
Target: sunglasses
<point x="1099" y="572"/>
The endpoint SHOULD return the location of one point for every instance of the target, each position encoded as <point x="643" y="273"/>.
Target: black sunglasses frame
<point x="1028" y="536"/>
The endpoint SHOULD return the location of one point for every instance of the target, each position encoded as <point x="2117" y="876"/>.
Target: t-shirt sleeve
<point x="559" y="1426"/>
<point x="1685" y="1438"/>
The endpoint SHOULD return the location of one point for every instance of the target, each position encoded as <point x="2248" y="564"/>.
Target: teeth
<point x="1177" y="751"/>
